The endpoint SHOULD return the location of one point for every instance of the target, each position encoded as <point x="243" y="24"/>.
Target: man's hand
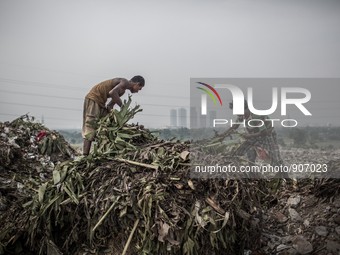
<point x="109" y="108"/>
<point x="246" y="136"/>
<point x="225" y="133"/>
<point x="117" y="92"/>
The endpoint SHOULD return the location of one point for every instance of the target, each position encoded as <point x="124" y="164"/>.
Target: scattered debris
<point x="134" y="194"/>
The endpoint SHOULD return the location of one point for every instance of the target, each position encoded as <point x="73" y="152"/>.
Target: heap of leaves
<point x="137" y="187"/>
<point x="115" y="137"/>
<point x="23" y="169"/>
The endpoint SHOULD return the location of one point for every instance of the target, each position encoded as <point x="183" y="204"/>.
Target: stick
<point x="216" y="207"/>
<point x="247" y="160"/>
<point x="130" y="237"/>
<point x="244" y="215"/>
<point x="137" y="163"/>
<point x="101" y="220"/>
<point x="236" y="192"/>
<point x="184" y="164"/>
<point x="207" y="146"/>
<point x="69" y="199"/>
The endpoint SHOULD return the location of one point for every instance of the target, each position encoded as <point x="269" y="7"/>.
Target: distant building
<point x="182" y="117"/>
<point x="193" y="118"/>
<point x="212" y="116"/>
<point x="203" y="121"/>
<point x="173" y="118"/>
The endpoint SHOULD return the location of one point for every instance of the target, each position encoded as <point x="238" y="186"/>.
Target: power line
<point x="79" y="122"/>
<point x="50" y="118"/>
<point x="8" y="114"/>
<point x="72" y="109"/>
<point x="38" y="68"/>
<point x="41" y="106"/>
<point x="78" y="88"/>
<point x="80" y="99"/>
<point x="29" y="83"/>
<point x="38" y="84"/>
<point x="40" y="95"/>
<point x="15" y="115"/>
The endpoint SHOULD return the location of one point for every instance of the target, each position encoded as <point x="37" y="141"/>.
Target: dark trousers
<point x="269" y="143"/>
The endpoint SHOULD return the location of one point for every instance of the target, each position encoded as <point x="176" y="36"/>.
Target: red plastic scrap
<point x="41" y="135"/>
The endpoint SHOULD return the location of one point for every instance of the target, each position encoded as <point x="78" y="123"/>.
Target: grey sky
<point x="73" y="45"/>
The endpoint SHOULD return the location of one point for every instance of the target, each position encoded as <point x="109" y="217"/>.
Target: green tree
<point x="299" y="136"/>
<point x="314" y="134"/>
<point x="281" y="141"/>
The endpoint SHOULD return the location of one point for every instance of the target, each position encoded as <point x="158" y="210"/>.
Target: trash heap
<point x="28" y="154"/>
<point x="329" y="187"/>
<point x="132" y="195"/>
<point x="24" y="140"/>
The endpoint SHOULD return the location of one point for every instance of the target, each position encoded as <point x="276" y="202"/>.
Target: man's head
<point x="231" y="105"/>
<point x="138" y="83"/>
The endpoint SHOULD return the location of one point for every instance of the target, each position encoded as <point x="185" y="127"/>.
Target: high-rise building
<point x="212" y="116"/>
<point x="182" y="117"/>
<point x="193" y="118"/>
<point x="203" y="121"/>
<point x="173" y="118"/>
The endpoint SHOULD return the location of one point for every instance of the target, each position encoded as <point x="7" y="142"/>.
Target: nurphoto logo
<point x="238" y="103"/>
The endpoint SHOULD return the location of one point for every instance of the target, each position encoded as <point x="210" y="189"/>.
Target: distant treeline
<point x="73" y="136"/>
<point x="184" y="134"/>
<point x="304" y="136"/>
<point x="310" y="137"/>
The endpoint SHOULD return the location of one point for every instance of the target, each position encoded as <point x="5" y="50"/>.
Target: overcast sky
<point x="53" y="52"/>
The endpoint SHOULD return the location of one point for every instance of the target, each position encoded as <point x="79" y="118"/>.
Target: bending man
<point x="260" y="133"/>
<point x="95" y="100"/>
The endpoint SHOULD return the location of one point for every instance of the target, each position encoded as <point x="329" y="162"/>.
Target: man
<point x="260" y="133"/>
<point x="95" y="100"/>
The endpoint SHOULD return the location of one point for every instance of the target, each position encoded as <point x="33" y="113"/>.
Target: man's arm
<point x="116" y="93"/>
<point x="233" y="127"/>
<point x="261" y="133"/>
<point x="262" y="129"/>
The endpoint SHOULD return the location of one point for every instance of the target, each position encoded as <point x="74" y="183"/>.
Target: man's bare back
<point x="98" y="96"/>
<point x="119" y="87"/>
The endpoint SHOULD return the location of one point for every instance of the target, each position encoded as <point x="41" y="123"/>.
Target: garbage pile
<point x="311" y="156"/>
<point x="300" y="223"/>
<point x="28" y="154"/>
<point x="329" y="187"/>
<point x="24" y="140"/>
<point x="132" y="195"/>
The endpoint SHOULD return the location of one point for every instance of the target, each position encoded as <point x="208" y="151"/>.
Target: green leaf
<point x="41" y="192"/>
<point x="90" y="135"/>
<point x="188" y="247"/>
<point x="43" y="146"/>
<point x="56" y="176"/>
<point x="123" y="212"/>
<point x="63" y="173"/>
<point x="27" y="204"/>
<point x="70" y="193"/>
